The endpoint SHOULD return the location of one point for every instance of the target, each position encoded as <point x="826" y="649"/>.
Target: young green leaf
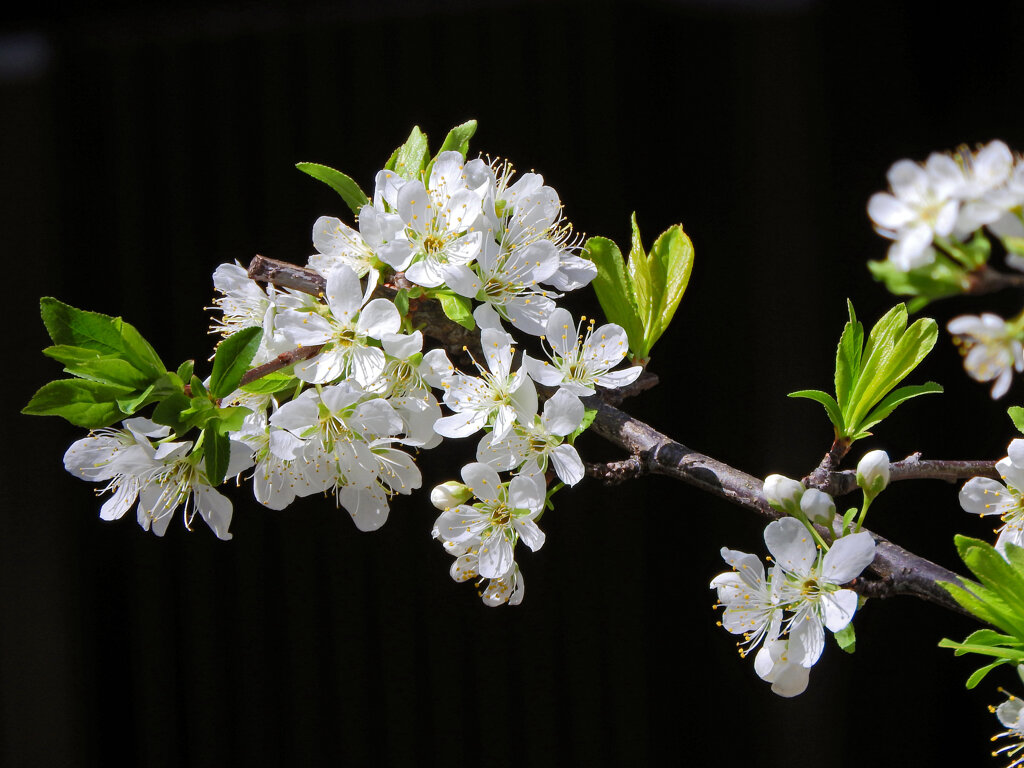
<point x="848" y="355"/>
<point x="1016" y="414"/>
<point x="458" y="309"/>
<point x="979" y="674"/>
<point x="270" y="384"/>
<point x="640" y="277"/>
<point x="402" y="301"/>
<point x="847" y="638"/>
<point x="458" y="138"/>
<point x="169" y="412"/>
<point x="412" y="156"/>
<point x="216" y="453"/>
<point x="895" y="398"/>
<point x="89" y="404"/>
<point x="107" y="335"/>
<point x="350" y="192"/>
<point x="670" y="263"/>
<point x="615" y="289"/>
<point x="232" y="360"/>
<point x="831" y="407"/>
<point x="589" y="415"/>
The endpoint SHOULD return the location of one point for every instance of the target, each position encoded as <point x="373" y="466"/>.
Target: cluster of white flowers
<point x="949" y="196"/>
<point x="786" y="610"/>
<point x="347" y="418"/>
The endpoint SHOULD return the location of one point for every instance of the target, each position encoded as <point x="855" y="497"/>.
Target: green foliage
<point x="997" y="598"/>
<point x="116" y="371"/>
<point x="847" y="638"/>
<point x="943" y="277"/>
<point x="458" y="138"/>
<point x="457" y="308"/>
<point x="350" y="192"/>
<point x="589" y="415"/>
<point x="232" y="360"/>
<point x="1016" y="414"/>
<point x="866" y="374"/>
<point x="642" y="295"/>
<point x="411" y="158"/>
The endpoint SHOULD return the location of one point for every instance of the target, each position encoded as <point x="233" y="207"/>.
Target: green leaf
<point x="270" y="384"/>
<point x="846" y="638"/>
<point x="412" y="156"/>
<point x="973" y="254"/>
<point x="198" y="388"/>
<point x="670" y="263"/>
<point x="640" y="277"/>
<point x="848" y="355"/>
<point x="107" y="335"/>
<point x="831" y="407"/>
<point x="941" y="278"/>
<point x="402" y="301"/>
<point x="350" y="192"/>
<point x="216" y="454"/>
<point x="1016" y="414"/>
<point x="168" y="412"/>
<point x="848" y="518"/>
<point x="979" y="674"/>
<point x="976" y="606"/>
<point x="130" y="405"/>
<point x="69" y="355"/>
<point x="232" y="360"/>
<point x="895" y="398"/>
<point x="458" y="309"/>
<point x="990" y="637"/>
<point x="186" y="369"/>
<point x="390" y="164"/>
<point x="614" y="288"/>
<point x="458" y="138"/>
<point x="89" y="404"/>
<point x="229" y="419"/>
<point x="588" y="418"/>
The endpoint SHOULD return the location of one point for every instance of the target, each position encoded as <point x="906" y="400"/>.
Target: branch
<point x="897" y="571"/>
<point x="915" y="468"/>
<point x="988" y="280"/>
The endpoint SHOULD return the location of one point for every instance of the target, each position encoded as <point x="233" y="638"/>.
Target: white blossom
<point x="581" y="361"/>
<point x="750" y="608"/>
<point x="350" y="321"/>
<point x="984" y="496"/>
<point x="809" y="584"/>
<point x="497" y="397"/>
<point x="1011" y="715"/>
<point x="503" y="514"/>
<point x="991" y="348"/>
<point x="923" y="203"/>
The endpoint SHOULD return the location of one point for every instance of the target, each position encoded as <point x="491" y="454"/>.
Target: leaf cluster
<point x="996" y="598"/>
<point x="867" y="373"/>
<point x="115" y="373"/>
<point x="642" y="294"/>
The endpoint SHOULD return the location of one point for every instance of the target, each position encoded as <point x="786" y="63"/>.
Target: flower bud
<point x="783" y="493"/>
<point x="873" y="473"/>
<point x="449" y="495"/>
<point x="818" y="506"/>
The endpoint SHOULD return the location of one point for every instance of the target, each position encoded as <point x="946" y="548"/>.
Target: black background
<point x="139" y="149"/>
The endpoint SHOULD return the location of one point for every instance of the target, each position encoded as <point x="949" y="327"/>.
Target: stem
<point x="863" y="512"/>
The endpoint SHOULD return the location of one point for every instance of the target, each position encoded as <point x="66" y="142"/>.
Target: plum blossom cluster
<point x="348" y="418"/>
<point x="783" y="612"/>
<point x="949" y="196"/>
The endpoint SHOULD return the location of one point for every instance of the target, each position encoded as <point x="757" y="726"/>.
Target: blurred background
<point x="139" y="149"/>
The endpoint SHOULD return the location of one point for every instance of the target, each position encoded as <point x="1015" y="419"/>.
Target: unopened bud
<point x="873" y="473"/>
<point x="818" y="506"/>
<point x="783" y="493"/>
<point x="449" y="495"/>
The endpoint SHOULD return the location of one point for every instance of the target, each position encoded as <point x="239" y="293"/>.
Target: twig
<point x="915" y="468"/>
<point x="617" y="472"/>
<point x="281" y="361"/>
<point x="988" y="280"/>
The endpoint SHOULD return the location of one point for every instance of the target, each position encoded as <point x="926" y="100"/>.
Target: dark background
<point x="139" y="149"/>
